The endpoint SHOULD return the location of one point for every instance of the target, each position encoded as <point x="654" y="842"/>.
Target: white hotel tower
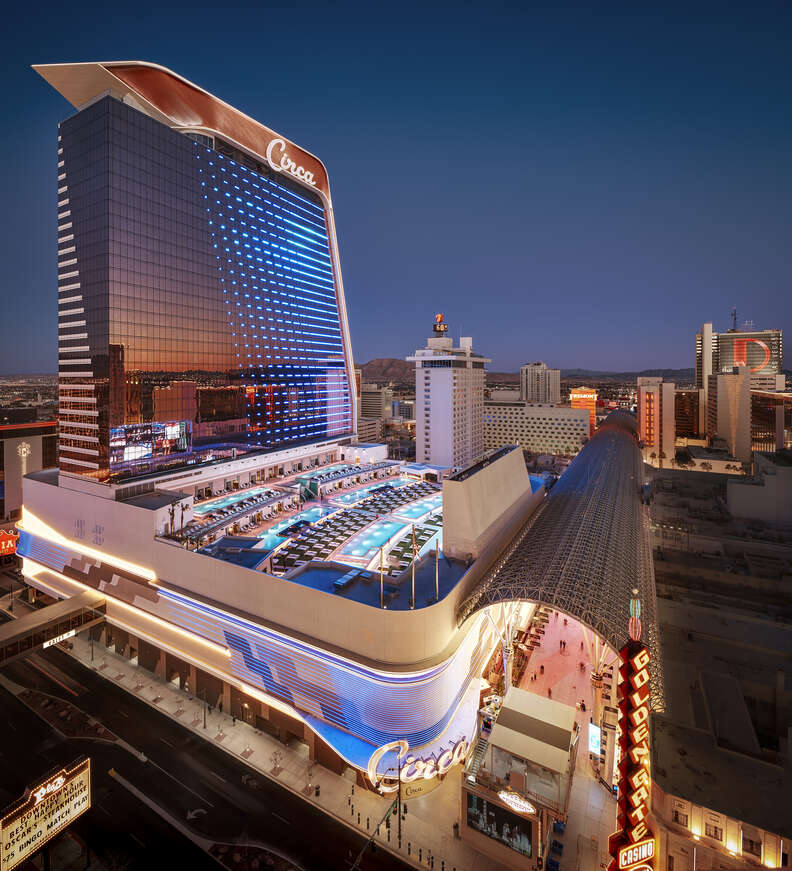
<point x="449" y="400"/>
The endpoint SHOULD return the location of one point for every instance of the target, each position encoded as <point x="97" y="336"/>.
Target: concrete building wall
<point x="385" y="637"/>
<point x="536" y="428"/>
<point x="729" y="411"/>
<point x="477" y="509"/>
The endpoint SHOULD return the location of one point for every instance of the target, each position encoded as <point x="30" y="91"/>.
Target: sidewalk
<point x="426" y="832"/>
<point x="592" y="810"/>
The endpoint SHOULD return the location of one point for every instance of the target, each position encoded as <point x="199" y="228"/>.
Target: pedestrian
<point x="565" y="621"/>
<point x="220" y="706"/>
<point x="549" y="693"/>
<point x="541" y="669"/>
<point x="233" y="719"/>
<point x="560" y="644"/>
<point x="581" y="645"/>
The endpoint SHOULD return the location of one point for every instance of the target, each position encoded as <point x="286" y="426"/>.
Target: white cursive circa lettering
<point x="281" y="162"/>
<point x="413" y="768"/>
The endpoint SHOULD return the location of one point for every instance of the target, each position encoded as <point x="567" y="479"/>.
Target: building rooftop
<point x="726" y="631"/>
<point x="156" y="499"/>
<point x="471" y="470"/>
<point x="778" y="458"/>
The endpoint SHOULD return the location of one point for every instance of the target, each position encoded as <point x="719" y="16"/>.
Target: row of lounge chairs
<point x="318" y="541"/>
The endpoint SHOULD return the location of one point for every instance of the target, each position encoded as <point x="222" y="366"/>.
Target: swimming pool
<point x="231" y="499"/>
<point x="323" y="471"/>
<point x="271" y="538"/>
<point x="366" y="543"/>
<point x="414" y="510"/>
<point x="365" y="492"/>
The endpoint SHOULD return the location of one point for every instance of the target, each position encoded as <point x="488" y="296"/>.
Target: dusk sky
<point x="582" y="186"/>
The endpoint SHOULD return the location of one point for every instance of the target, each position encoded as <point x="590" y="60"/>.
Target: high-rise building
<point x="24" y="447"/>
<point x="729" y="411"/>
<point x="771" y="420"/>
<point x="540" y="429"/>
<point x="585" y="397"/>
<point x="540" y="384"/>
<point x="656" y="410"/>
<point x="449" y="400"/>
<point x="196" y="250"/>
<point x="762" y="351"/>
<point x="375" y="401"/>
<point x="687" y="421"/>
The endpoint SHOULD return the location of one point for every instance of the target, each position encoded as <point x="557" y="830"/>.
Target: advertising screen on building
<point x="46" y="808"/>
<point x="760" y="351"/>
<point x="499" y="824"/>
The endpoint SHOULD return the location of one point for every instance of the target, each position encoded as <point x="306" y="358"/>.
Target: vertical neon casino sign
<point x="633" y="846"/>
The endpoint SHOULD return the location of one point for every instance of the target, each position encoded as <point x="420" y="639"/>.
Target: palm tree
<point x="706" y="466"/>
<point x="662" y="457"/>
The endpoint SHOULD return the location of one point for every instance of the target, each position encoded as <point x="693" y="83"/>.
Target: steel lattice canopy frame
<point x="587" y="547"/>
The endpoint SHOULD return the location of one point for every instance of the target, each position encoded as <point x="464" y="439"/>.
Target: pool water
<point x="271" y="538"/>
<point x="366" y="543"/>
<point x="414" y="510"/>
<point x="314" y="473"/>
<point x="228" y="501"/>
<point x="365" y="492"/>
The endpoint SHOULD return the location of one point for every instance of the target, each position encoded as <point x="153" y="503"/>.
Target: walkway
<point x="592" y="811"/>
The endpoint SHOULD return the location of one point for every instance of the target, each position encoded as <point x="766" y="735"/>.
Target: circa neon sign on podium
<point x="413" y="768"/>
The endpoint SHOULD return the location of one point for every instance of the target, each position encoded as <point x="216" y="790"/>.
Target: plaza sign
<point x="45" y="809"/>
<point x="413" y="768"/>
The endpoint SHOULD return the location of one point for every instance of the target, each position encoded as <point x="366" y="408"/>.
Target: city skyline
<point x="631" y="170"/>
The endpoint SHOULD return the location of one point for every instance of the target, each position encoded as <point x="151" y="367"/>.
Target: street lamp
<point x="397" y="769"/>
<point x="202" y="694"/>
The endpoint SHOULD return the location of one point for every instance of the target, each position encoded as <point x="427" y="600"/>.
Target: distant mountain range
<point x="683" y="376"/>
<point x="400" y="371"/>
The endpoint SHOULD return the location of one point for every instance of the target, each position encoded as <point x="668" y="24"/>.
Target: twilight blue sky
<point x="583" y="184"/>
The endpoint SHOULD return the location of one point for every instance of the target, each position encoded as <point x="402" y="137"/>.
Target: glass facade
<point x="199" y="311"/>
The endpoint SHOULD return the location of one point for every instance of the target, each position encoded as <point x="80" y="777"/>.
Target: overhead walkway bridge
<point x="587" y="547"/>
<point x="46" y="626"/>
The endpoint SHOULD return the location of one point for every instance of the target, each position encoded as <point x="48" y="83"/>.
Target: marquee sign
<point x="44" y="811"/>
<point x="8" y="542"/>
<point x="413" y="768"/>
<point x="633" y="846"/>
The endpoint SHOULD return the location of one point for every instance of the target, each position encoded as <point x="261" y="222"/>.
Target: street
<point x="216" y="796"/>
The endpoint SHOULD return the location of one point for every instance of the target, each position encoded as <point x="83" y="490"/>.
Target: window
<point x="715" y="832"/>
<point x="680" y="818"/>
<point x="751" y="846"/>
<point x="670" y="866"/>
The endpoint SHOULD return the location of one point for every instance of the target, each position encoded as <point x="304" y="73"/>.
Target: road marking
<point x="184" y="785"/>
<point x="166" y="742"/>
<point x="218" y="776"/>
<point x="52" y="678"/>
<point x="104" y="810"/>
<point x="123" y="712"/>
<point x="281" y="818"/>
<point x="12" y="726"/>
<point x="135" y="838"/>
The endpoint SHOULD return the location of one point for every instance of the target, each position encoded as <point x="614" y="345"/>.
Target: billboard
<point x="45" y="809"/>
<point x="761" y="351"/>
<point x="499" y="824"/>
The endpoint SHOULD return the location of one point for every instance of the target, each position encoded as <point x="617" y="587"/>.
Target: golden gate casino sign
<point x="633" y="847"/>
